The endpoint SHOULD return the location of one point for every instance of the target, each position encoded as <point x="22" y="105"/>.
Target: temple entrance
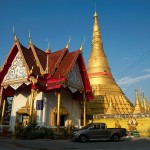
<point x="64" y="115"/>
<point x="22" y="115"/>
<point x="63" y="119"/>
<point x="22" y="119"/>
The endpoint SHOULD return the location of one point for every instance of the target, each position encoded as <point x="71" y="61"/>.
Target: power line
<point x="135" y="63"/>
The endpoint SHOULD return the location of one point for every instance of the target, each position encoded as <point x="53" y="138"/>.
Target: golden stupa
<point x="108" y="96"/>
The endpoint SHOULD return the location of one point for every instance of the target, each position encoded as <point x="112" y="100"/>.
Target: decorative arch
<point x="63" y="113"/>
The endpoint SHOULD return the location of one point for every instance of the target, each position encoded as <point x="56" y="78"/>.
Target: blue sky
<point x="125" y="30"/>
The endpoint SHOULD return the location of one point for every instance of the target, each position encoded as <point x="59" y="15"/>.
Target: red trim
<point x="100" y="73"/>
<point x="86" y="82"/>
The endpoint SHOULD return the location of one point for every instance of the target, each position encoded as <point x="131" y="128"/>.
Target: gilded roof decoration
<point x="54" y="69"/>
<point x="17" y="71"/>
<point x="37" y="58"/>
<point x="16" y="86"/>
<point x="74" y="78"/>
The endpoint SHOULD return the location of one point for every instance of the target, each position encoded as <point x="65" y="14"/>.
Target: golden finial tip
<point x="30" y="40"/>
<point x="15" y="38"/>
<point x="48" y="48"/>
<point x="95" y="14"/>
<point x="67" y="45"/>
<point x="81" y="47"/>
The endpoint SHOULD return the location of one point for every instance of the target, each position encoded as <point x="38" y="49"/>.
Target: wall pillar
<point x="45" y="111"/>
<point x="1" y="96"/>
<point x="3" y="111"/>
<point x="84" y="111"/>
<point x="58" y="110"/>
<point x="32" y="98"/>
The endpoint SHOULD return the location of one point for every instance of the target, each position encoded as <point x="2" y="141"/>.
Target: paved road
<point x="124" y="144"/>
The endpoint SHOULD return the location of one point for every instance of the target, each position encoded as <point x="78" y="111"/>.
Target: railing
<point x="140" y="115"/>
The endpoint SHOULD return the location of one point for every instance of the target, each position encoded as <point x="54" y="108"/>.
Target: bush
<point x="34" y="132"/>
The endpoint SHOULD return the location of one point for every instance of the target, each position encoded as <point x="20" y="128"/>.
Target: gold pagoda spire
<point x="102" y="82"/>
<point x="137" y="108"/>
<point x="98" y="67"/>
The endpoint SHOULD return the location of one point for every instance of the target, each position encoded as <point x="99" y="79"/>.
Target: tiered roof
<point x="51" y="68"/>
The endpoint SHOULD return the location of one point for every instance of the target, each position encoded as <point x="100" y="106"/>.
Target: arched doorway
<point x="64" y="115"/>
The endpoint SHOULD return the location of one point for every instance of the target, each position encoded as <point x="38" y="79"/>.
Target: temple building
<point x="108" y="96"/>
<point x="49" y="87"/>
<point x="56" y="88"/>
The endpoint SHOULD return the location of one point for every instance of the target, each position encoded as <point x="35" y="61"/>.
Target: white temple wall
<point x="73" y="107"/>
<point x="50" y="102"/>
<point x="19" y="100"/>
<point x="39" y="112"/>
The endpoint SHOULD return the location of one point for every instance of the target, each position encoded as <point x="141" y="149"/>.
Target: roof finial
<point x="15" y="37"/>
<point x="48" y="48"/>
<point x="49" y="44"/>
<point x="95" y="14"/>
<point x="30" y="40"/>
<point x="67" y="45"/>
<point x="95" y="6"/>
<point x="47" y="64"/>
<point x="81" y="47"/>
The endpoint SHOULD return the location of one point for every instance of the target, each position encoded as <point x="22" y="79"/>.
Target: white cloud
<point x="147" y="70"/>
<point x="129" y="80"/>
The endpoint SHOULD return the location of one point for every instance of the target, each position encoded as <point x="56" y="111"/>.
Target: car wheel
<point x="115" y="137"/>
<point x="82" y="138"/>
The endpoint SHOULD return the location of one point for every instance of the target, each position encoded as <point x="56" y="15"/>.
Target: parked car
<point x="98" y="131"/>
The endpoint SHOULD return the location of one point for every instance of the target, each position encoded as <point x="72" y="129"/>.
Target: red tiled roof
<point x="66" y="64"/>
<point x="55" y="59"/>
<point x="30" y="60"/>
<point x="59" y="65"/>
<point x="42" y="56"/>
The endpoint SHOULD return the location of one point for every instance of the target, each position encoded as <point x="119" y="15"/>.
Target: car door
<point x="94" y="132"/>
<point x="104" y="132"/>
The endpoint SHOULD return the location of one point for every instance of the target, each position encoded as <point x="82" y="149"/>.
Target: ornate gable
<point x="75" y="80"/>
<point x="16" y="74"/>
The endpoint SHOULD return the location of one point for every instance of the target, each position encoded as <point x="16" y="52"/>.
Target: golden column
<point x="1" y="96"/>
<point x="3" y="111"/>
<point x="84" y="112"/>
<point x="58" y="110"/>
<point x="32" y="98"/>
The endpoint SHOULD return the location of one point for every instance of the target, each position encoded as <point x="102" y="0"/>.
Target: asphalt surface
<point x="128" y="143"/>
